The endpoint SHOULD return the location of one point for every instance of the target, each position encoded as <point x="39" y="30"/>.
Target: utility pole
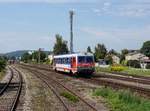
<point x="71" y="31"/>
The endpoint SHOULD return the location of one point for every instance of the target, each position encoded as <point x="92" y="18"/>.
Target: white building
<point x="136" y="56"/>
<point x="116" y="59"/>
<point x="144" y="60"/>
<point x="51" y="57"/>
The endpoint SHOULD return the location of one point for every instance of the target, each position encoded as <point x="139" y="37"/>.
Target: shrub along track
<point x="60" y="89"/>
<point x="103" y="79"/>
<point x="11" y="91"/>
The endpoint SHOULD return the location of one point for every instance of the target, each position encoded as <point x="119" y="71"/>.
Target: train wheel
<point x="75" y="74"/>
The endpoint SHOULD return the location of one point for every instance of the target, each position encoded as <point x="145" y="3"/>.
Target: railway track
<point x="107" y="83"/>
<point x="57" y="86"/>
<point x="127" y="75"/>
<point x="116" y="85"/>
<point x="7" y="84"/>
<point x="124" y="77"/>
<point x="11" y="92"/>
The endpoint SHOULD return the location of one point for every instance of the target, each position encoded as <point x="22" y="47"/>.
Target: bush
<point x="134" y="63"/>
<point x="117" y="68"/>
<point x="2" y="64"/>
<point x="122" y="100"/>
<point x="69" y="97"/>
<point x="148" y="66"/>
<point x="124" y="63"/>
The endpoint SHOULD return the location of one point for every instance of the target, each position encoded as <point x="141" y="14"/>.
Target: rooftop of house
<point x="134" y="53"/>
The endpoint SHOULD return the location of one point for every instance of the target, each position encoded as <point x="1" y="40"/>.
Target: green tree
<point x="26" y="57"/>
<point x="108" y="59"/>
<point x="100" y="51"/>
<point x="60" y="46"/>
<point x="146" y="48"/>
<point x="89" y="49"/>
<point x="123" y="53"/>
<point x="112" y="52"/>
<point x="36" y="54"/>
<point x="2" y="63"/>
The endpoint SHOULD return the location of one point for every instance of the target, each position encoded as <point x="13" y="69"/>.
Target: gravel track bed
<point x="7" y="98"/>
<point x="38" y="96"/>
<point x="126" y="82"/>
<point x="82" y="88"/>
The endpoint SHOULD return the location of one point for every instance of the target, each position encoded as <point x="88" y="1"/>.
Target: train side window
<point x="61" y="61"/>
<point x="69" y="60"/>
<point x="58" y="61"/>
<point x="64" y="60"/>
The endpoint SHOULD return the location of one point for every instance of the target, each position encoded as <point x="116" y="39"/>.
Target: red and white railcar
<point x="74" y="63"/>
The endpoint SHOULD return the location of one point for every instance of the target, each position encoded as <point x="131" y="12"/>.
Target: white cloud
<point x="92" y="31"/>
<point x="96" y="10"/>
<point x="107" y="4"/>
<point x="133" y="8"/>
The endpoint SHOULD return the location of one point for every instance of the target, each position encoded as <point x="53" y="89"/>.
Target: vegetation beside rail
<point x="122" y="100"/>
<point x="122" y="69"/>
<point x="2" y="64"/>
<point x="2" y="67"/>
<point x="2" y="74"/>
<point x="70" y="97"/>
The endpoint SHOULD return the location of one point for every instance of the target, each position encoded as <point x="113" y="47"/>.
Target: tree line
<point x="34" y="57"/>
<point x="2" y="63"/>
<point x="100" y="51"/>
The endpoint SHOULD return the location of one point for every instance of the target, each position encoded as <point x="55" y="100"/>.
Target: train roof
<point x="74" y="54"/>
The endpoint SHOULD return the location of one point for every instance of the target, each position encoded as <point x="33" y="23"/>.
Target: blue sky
<point x="30" y="24"/>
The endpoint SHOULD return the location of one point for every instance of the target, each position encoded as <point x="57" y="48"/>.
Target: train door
<point x="73" y="62"/>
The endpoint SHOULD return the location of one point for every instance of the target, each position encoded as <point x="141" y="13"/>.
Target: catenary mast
<point x="71" y="31"/>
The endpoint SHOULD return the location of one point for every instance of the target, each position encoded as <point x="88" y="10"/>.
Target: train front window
<point x="81" y="59"/>
<point x="89" y="59"/>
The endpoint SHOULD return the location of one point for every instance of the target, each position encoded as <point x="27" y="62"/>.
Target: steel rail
<point x="126" y="74"/>
<point x="54" y="91"/>
<point x="7" y="84"/>
<point x="16" y="100"/>
<point x="117" y="85"/>
<point x="130" y="78"/>
<point x="67" y="88"/>
<point x="124" y="78"/>
<point x="140" y="90"/>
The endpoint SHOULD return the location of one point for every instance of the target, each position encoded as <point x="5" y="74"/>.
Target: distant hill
<point x="20" y="53"/>
<point x="1" y="54"/>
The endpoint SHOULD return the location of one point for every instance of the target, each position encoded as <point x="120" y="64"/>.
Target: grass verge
<point x="132" y="71"/>
<point x="2" y="74"/>
<point x="122" y="100"/>
<point x="70" y="97"/>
